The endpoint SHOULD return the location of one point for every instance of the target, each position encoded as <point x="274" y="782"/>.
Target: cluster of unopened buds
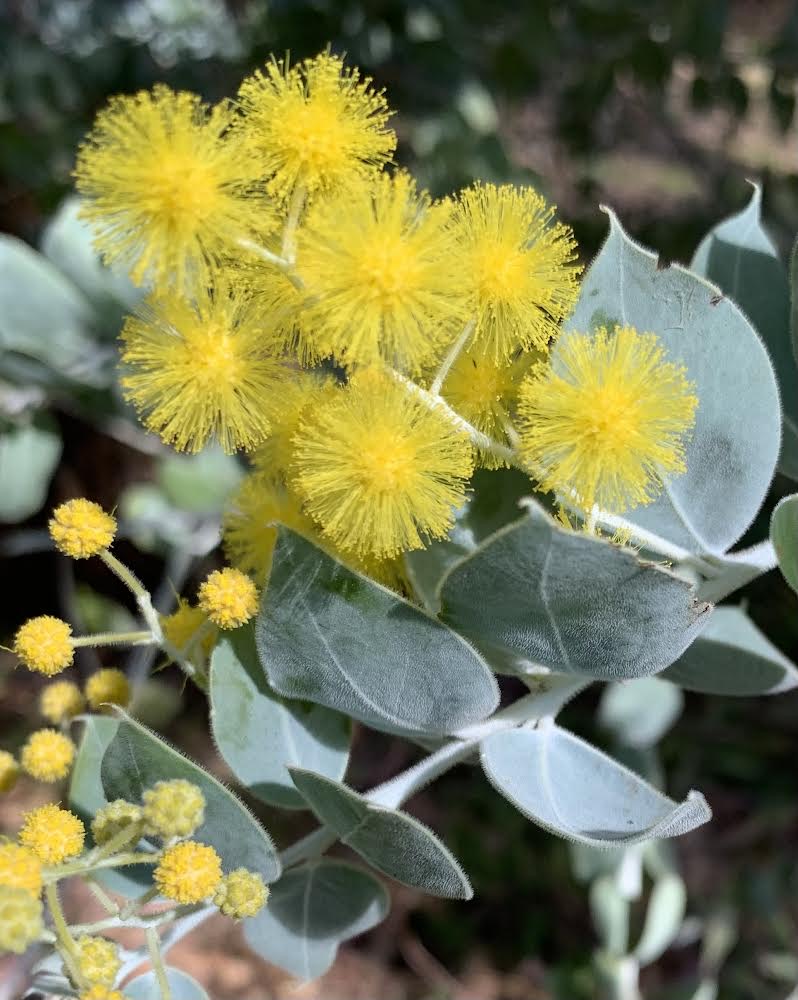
<point x="50" y="848"/>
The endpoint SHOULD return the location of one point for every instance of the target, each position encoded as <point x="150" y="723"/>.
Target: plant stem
<point x="53" y="875"/>
<point x="451" y="357"/>
<point x="291" y="223"/>
<point x="154" y="948"/>
<point x="139" y="591"/>
<point x="66" y="943"/>
<point x="142" y="637"/>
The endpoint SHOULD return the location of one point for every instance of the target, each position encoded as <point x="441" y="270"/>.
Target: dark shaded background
<point x="661" y="110"/>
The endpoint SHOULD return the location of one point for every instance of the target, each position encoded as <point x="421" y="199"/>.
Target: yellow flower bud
<point x="61" y="701"/>
<point x="20" y="868"/>
<point x="81" y="528"/>
<point x="44" y="644"/>
<point x="98" y="960"/>
<point x="113" y="818"/>
<point x="228" y="597"/>
<point x="101" y="993"/>
<point x="108" y="687"/>
<point x="241" y="894"/>
<point x="188" y="872"/>
<point x="53" y="834"/>
<point x="173" y="809"/>
<point x="47" y="755"/>
<point x="9" y="771"/>
<point x="20" y="919"/>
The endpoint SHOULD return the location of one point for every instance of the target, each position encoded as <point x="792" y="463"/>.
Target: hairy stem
<point x="65" y="941"/>
<point x="142" y="637"/>
<point x="154" y="948"/>
<point x="451" y="357"/>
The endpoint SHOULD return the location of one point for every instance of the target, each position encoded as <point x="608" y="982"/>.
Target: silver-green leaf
<point x="328" y="635"/>
<point x="393" y="842"/>
<point x="182" y="987"/>
<point x="641" y="711"/>
<point x="784" y="536"/>
<point x="261" y="734"/>
<point x="29" y="454"/>
<point x="570" y="602"/>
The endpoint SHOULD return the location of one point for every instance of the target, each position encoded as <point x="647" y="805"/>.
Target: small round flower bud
<point x="20" y="919"/>
<point x="98" y="960"/>
<point x="9" y="771"/>
<point x="108" y="687"/>
<point x="47" y="755"/>
<point x="53" y="834"/>
<point x="20" y="868"/>
<point x="113" y="818"/>
<point x="241" y="894"/>
<point x="173" y="809"/>
<point x="188" y="872"/>
<point x="61" y="701"/>
<point x="228" y="597"/>
<point x="81" y="528"/>
<point x="44" y="644"/>
<point x="101" y="993"/>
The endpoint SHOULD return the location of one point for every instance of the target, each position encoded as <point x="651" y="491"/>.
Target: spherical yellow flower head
<point x="97" y="992"/>
<point x="297" y="396"/>
<point x="200" y="369"/>
<point x="20" y="868"/>
<point x="97" y="960"/>
<point x="44" y="644"/>
<point x="61" y="701"/>
<point x="53" y="834"/>
<point x="607" y="421"/>
<point x="485" y="392"/>
<point x="520" y="264"/>
<point x="383" y="280"/>
<point x="81" y="528"/>
<point x="169" y="189"/>
<point x="9" y="771"/>
<point x="316" y="126"/>
<point x="277" y="297"/>
<point x="108" y="686"/>
<point x="47" y="755"/>
<point x="113" y="818"/>
<point x="379" y="471"/>
<point x="260" y="505"/>
<point x="20" y="919"/>
<point x="182" y="627"/>
<point x="173" y="809"/>
<point x="228" y="597"/>
<point x="188" y="872"/>
<point x="241" y="894"/>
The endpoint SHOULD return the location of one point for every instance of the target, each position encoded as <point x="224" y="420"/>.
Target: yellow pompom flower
<point x="173" y="809"/>
<point x="485" y="392"/>
<point x="53" y="834"/>
<point x="188" y="872"/>
<point x="520" y="266"/>
<point x="184" y="624"/>
<point x="108" y="686"/>
<point x="113" y="818"/>
<point x="200" y="369"/>
<point x="81" y="528"/>
<point x="249" y="528"/>
<point x="47" y="755"/>
<point x="20" y="920"/>
<point x="9" y="771"/>
<point x="297" y="396"/>
<point x="61" y="702"/>
<point x="241" y="894"/>
<point x="382" y="276"/>
<point x="97" y="992"/>
<point x="97" y="960"/>
<point x="379" y="470"/>
<point x="277" y="297"/>
<point x="20" y="868"/>
<point x="606" y="422"/>
<point x="44" y="644"/>
<point x="169" y="188"/>
<point x="228" y="597"/>
<point x="314" y="126"/>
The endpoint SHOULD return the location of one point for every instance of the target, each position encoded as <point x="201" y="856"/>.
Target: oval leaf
<point x="641" y="711"/>
<point x="732" y="453"/>
<point x="571" y="788"/>
<point x="260" y="734"/>
<point x="311" y="911"/>
<point x="784" y="536"/>
<point x="29" y="454"/>
<point x="570" y="602"/>
<point x="136" y="759"/>
<point x="740" y="258"/>
<point x="183" y="987"/>
<point x="395" y="843"/>
<point x="664" y="916"/>
<point x="327" y="635"/>
<point x="733" y="657"/>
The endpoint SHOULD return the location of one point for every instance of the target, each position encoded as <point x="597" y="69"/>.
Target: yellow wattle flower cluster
<point x="81" y="528"/>
<point x="53" y="834"/>
<point x="280" y="247"/>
